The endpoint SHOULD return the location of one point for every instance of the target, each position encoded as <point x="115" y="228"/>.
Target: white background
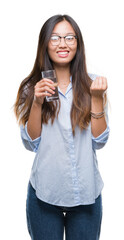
<point x="101" y="23"/>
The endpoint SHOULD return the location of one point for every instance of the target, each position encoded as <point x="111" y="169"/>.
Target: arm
<point x="35" y="116"/>
<point x="98" y="87"/>
<point x="34" y="121"/>
<point x="31" y="145"/>
<point x="98" y="126"/>
<point x="31" y="132"/>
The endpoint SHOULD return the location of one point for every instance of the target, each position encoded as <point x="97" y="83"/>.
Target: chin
<point x="62" y="62"/>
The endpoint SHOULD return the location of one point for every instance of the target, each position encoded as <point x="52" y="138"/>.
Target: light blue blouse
<point x="65" y="169"/>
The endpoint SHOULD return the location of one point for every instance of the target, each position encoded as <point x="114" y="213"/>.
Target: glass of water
<point x="50" y="74"/>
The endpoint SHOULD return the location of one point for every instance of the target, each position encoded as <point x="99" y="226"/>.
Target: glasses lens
<point x="70" y="39"/>
<point x="55" y="40"/>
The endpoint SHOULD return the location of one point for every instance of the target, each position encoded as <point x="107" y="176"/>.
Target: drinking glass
<point x="50" y="74"/>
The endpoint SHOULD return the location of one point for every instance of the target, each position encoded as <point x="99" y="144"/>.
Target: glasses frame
<point x="60" y="37"/>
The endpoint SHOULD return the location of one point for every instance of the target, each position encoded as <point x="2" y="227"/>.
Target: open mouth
<point x="63" y="53"/>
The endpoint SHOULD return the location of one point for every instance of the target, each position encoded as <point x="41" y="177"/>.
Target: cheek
<point x="74" y="51"/>
<point x="51" y="53"/>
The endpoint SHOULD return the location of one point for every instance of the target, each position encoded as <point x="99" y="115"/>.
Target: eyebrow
<point x="66" y="33"/>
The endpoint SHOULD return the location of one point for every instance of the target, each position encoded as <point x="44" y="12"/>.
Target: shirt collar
<point x="68" y="88"/>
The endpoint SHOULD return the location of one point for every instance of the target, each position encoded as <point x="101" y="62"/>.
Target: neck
<point x="63" y="74"/>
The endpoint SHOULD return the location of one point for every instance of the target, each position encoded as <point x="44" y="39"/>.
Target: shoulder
<point x="93" y="76"/>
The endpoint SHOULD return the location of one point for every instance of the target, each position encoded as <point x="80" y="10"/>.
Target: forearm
<point x="34" y="121"/>
<point x="99" y="125"/>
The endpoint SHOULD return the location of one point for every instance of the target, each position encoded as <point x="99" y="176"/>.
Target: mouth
<point x="63" y="54"/>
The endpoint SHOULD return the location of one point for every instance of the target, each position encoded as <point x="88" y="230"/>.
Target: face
<point x="63" y="53"/>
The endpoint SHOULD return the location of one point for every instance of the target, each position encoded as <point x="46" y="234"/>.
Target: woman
<point x="65" y="185"/>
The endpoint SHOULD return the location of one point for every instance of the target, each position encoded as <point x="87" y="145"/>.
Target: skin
<point x="61" y="62"/>
<point x="62" y="29"/>
<point x="98" y="87"/>
<point x="62" y="55"/>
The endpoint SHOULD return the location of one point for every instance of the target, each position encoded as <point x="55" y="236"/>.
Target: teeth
<point x="62" y="53"/>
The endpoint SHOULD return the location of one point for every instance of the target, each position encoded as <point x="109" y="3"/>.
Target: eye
<point x="69" y="38"/>
<point x="54" y="38"/>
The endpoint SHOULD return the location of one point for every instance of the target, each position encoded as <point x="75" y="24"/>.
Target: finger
<point x="55" y="84"/>
<point x="48" y="90"/>
<point x="46" y="80"/>
<point x="43" y="84"/>
<point x="44" y="94"/>
<point x="92" y="85"/>
<point x="100" y="83"/>
<point x="105" y="85"/>
<point x="96" y="83"/>
<point x="44" y="89"/>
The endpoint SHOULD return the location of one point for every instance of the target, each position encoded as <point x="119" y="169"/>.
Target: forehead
<point x="63" y="27"/>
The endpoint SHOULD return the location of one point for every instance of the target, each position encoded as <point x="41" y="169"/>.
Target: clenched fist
<point x="98" y="87"/>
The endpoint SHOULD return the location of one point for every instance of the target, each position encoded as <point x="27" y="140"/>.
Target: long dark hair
<point x="81" y="82"/>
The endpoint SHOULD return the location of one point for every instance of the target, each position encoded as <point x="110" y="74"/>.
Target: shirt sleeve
<point x="102" y="139"/>
<point x="31" y="145"/>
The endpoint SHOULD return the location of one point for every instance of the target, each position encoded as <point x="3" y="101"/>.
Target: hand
<point x="42" y="89"/>
<point x="98" y="87"/>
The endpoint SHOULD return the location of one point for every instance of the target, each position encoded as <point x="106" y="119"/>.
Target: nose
<point x="62" y="43"/>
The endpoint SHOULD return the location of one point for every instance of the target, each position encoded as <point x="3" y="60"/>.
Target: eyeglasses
<point x="69" y="39"/>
